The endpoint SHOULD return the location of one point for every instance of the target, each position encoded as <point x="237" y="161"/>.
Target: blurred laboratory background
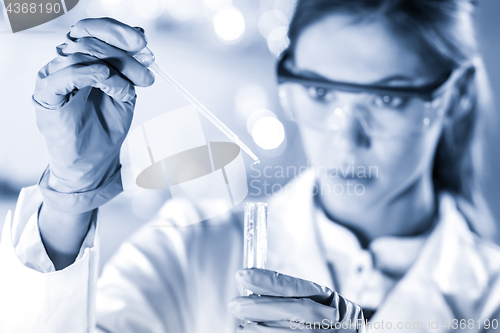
<point x="224" y="53"/>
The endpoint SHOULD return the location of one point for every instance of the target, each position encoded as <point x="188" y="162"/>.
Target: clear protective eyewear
<point x="386" y="111"/>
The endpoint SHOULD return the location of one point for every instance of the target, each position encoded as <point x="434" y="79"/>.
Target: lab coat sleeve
<point x="145" y="286"/>
<point x="39" y="301"/>
<point x="31" y="251"/>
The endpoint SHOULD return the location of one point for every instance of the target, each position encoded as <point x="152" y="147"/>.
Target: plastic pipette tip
<point x="247" y="150"/>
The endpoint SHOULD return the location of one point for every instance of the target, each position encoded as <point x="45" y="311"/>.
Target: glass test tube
<point x="255" y="236"/>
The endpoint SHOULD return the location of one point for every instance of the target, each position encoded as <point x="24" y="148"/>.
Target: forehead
<point x="340" y="49"/>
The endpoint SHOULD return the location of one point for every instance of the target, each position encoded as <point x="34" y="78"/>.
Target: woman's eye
<point x="390" y="101"/>
<point x="317" y="93"/>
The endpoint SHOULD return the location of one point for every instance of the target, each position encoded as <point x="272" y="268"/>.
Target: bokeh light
<point x="149" y="9"/>
<point x="229" y="24"/>
<point x="249" y="98"/>
<point x="268" y="133"/>
<point x="271" y="20"/>
<point x="117" y="9"/>
<point x="181" y="10"/>
<point x="286" y="7"/>
<point x="278" y="41"/>
<point x="216" y="4"/>
<point x="256" y="115"/>
<point x="95" y="8"/>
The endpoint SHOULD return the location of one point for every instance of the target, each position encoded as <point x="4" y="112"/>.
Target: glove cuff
<point x="80" y="202"/>
<point x="351" y="317"/>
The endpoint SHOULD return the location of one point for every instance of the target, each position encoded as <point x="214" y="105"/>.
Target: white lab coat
<point x="175" y="280"/>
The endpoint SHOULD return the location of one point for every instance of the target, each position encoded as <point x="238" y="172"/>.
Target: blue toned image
<point x="266" y="166"/>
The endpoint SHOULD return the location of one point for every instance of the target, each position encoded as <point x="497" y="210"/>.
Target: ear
<point x="464" y="94"/>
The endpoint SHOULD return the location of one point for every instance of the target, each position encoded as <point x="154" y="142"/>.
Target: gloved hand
<point x="288" y="304"/>
<point x="84" y="102"/>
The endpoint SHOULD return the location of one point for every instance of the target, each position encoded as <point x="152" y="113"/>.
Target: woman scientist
<point x="394" y="84"/>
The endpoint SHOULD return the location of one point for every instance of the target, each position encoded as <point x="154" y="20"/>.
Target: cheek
<point x="396" y="160"/>
<point x="402" y="161"/>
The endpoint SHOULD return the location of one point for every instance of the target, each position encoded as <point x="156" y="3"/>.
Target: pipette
<point x="147" y="59"/>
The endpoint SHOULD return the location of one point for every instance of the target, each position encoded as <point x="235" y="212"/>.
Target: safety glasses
<point x="391" y="111"/>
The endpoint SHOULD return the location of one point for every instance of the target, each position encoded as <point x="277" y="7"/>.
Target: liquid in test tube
<point x="255" y="236"/>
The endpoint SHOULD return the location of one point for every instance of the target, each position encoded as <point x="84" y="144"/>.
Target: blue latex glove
<point x="288" y="304"/>
<point x="84" y="102"/>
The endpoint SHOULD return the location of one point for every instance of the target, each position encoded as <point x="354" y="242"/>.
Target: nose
<point x="347" y="125"/>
